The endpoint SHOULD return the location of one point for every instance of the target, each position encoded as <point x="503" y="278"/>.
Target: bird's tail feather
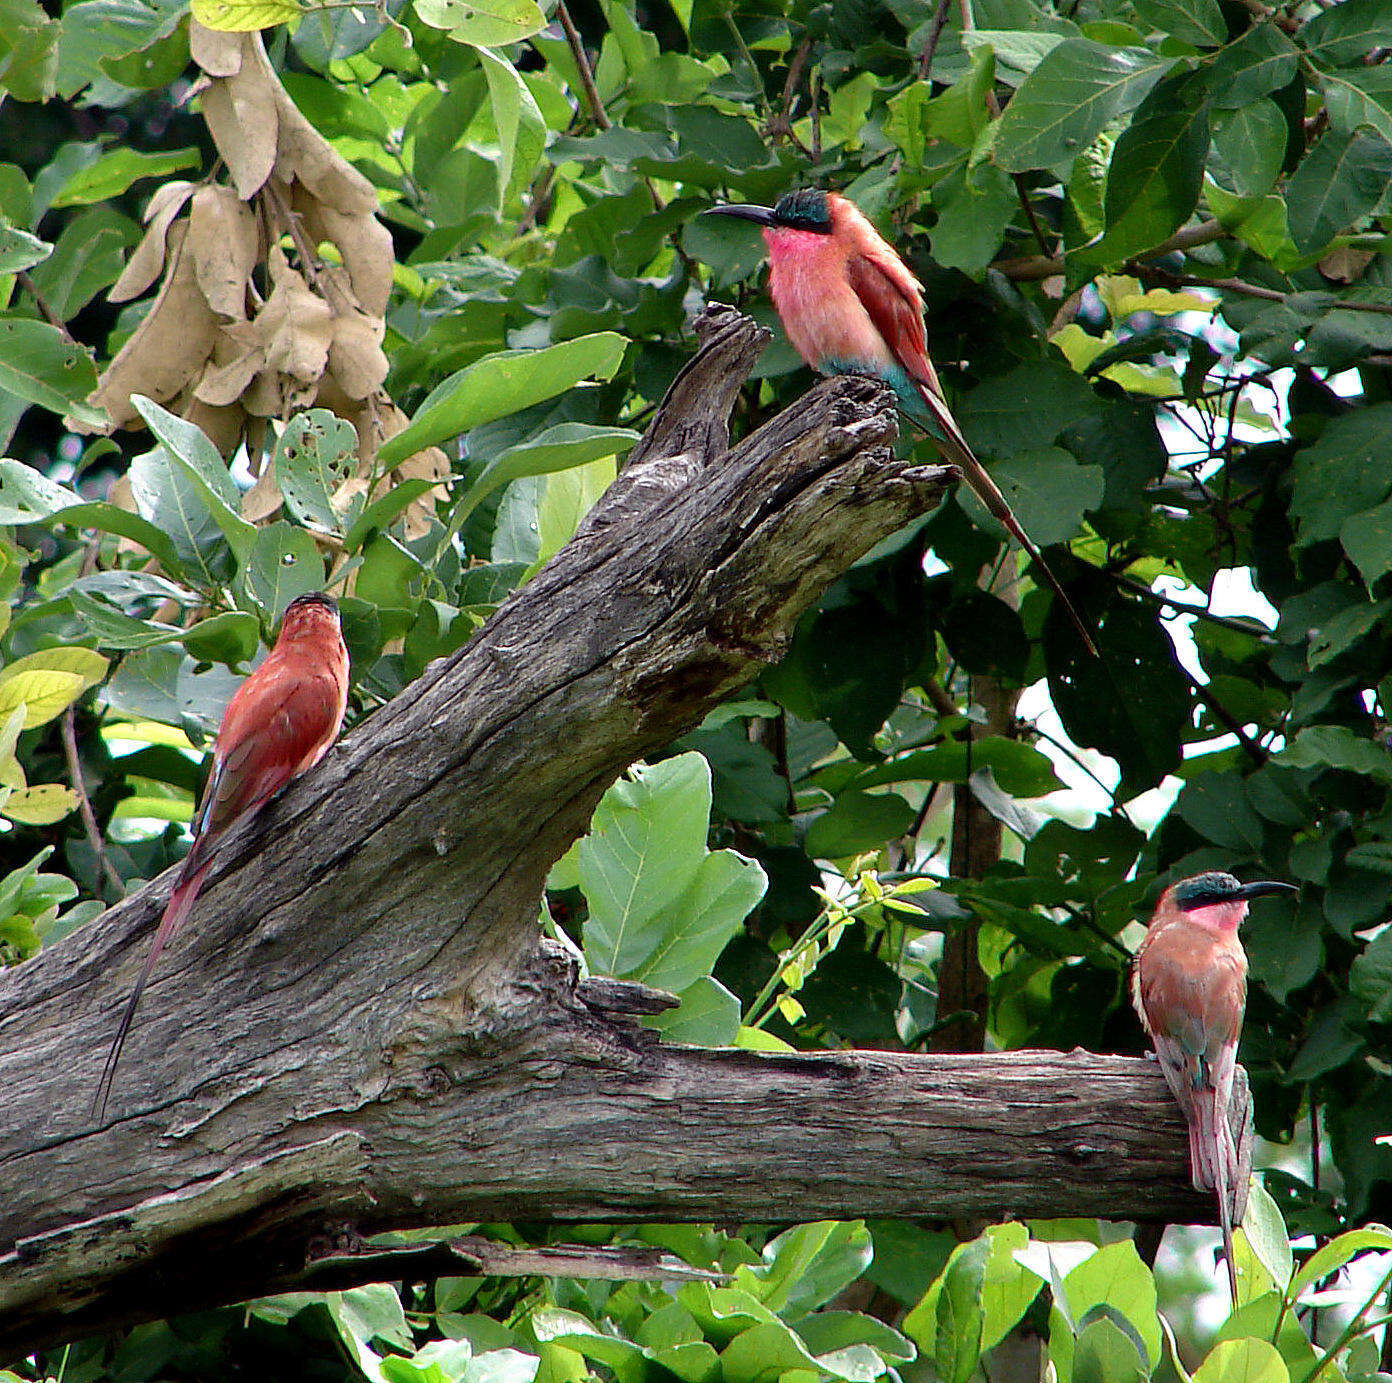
<point x="1225" y="1173"/>
<point x="176" y="911"/>
<point x="989" y="493"/>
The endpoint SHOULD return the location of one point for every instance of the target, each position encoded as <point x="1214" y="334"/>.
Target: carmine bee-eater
<point x="1189" y="986"/>
<point x="280" y="722"/>
<point x="851" y="306"/>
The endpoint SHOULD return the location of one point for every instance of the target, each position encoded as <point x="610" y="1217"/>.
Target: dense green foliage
<point x="1150" y="233"/>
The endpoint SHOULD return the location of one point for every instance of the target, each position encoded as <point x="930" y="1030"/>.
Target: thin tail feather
<point x="979" y="478"/>
<point x="175" y="913"/>
<point x="1225" y="1168"/>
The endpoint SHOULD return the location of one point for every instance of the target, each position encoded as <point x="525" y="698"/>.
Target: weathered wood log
<point x="360" y="1030"/>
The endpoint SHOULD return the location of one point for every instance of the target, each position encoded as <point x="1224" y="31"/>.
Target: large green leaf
<point x="1098" y="705"/>
<point x="191" y="449"/>
<point x="1071" y="96"/>
<point x="39" y="364"/>
<point x="503" y="383"/>
<point x="1339" y="182"/>
<point x="661" y="906"/>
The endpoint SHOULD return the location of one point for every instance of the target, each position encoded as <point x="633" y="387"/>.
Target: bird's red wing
<point x="894" y="300"/>
<point x="278" y="729"/>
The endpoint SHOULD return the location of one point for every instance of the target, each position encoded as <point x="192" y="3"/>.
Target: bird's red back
<point x="283" y="718"/>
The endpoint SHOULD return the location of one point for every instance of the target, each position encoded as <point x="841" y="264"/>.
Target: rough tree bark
<point x="360" y="1031"/>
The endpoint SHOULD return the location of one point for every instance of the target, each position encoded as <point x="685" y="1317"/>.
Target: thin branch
<point x="84" y="803"/>
<point x="1139" y="588"/>
<point x="1255" y="751"/>
<point x="1279" y="17"/>
<point x="1034" y="267"/>
<point x="582" y="62"/>
<point x="26" y="281"/>
<point x="780" y="126"/>
<point x="925" y="62"/>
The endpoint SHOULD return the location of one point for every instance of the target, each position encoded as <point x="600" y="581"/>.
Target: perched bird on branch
<point x="280" y="723"/>
<point x="1189" y="986"/>
<point x="851" y="306"/>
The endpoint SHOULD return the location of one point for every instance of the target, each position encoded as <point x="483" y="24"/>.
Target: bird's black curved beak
<point x="760" y="215"/>
<point x="1264" y="887"/>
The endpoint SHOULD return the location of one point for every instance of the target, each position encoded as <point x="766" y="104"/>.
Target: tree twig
<point x="84" y="802"/>
<point x="26" y="281"/>
<point x="582" y="62"/>
<point x="1034" y="267"/>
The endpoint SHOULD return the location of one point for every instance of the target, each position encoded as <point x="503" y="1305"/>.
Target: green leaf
<point x="1339" y="182"/>
<point x="382" y="512"/>
<point x="1336" y="746"/>
<point x="190" y="448"/>
<point x="1098" y="710"/>
<point x="1330" y="1257"/>
<point x="805" y="1267"/>
<point x="1251" y="141"/>
<point x="975" y="206"/>
<point x="1267" y="1235"/>
<point x="27" y="494"/>
<point x="1370" y="977"/>
<point x="86" y="663"/>
<point x="708" y="1016"/>
<point x="168" y="497"/>
<point x="1048" y="490"/>
<point x="1341" y="473"/>
<point x="1348" y="32"/>
<point x="244" y="16"/>
<point x="1254" y="65"/>
<point x="114" y="172"/>
<point x="314" y="455"/>
<point x="283" y="564"/>
<point x="1008" y="1289"/>
<point x="42" y="692"/>
<point x="1071" y="96"/>
<point x="1199" y="22"/>
<point x="1367" y="538"/>
<point x="1025" y="408"/>
<point x="1243" y="1361"/>
<point x="19" y="249"/>
<point x="1156" y="171"/>
<point x="1105" y="1353"/>
<point x="503" y="383"/>
<point x="1359" y="97"/>
<point x="555" y="449"/>
<point x="661" y="906"/>
<point x="44" y="804"/>
<point x="1115" y="1278"/>
<point x="234" y="631"/>
<point x="568" y="497"/>
<point x="40" y="365"/>
<point x="488" y="23"/>
<point x="958" y="1314"/>
<point x="1021" y="769"/>
<point x="856" y="822"/>
<point x="111" y="518"/>
<point x="162" y="684"/>
<point x="520" y="124"/>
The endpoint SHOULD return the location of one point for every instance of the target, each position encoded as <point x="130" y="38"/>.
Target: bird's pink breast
<point x="820" y="311"/>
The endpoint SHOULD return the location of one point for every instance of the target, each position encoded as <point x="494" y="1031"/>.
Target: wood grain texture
<point x="359" y="1029"/>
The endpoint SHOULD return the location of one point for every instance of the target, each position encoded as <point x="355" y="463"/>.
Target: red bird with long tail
<point x="1189" y="986"/>
<point x="279" y="724"/>
<point x="851" y="306"/>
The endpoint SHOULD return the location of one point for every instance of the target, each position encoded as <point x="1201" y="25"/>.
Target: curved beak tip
<point x="760" y="215"/>
<point x="1266" y="886"/>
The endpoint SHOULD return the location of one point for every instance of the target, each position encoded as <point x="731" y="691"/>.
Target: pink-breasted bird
<point x="1189" y="985"/>
<point x="851" y="306"/>
<point x="280" y="722"/>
